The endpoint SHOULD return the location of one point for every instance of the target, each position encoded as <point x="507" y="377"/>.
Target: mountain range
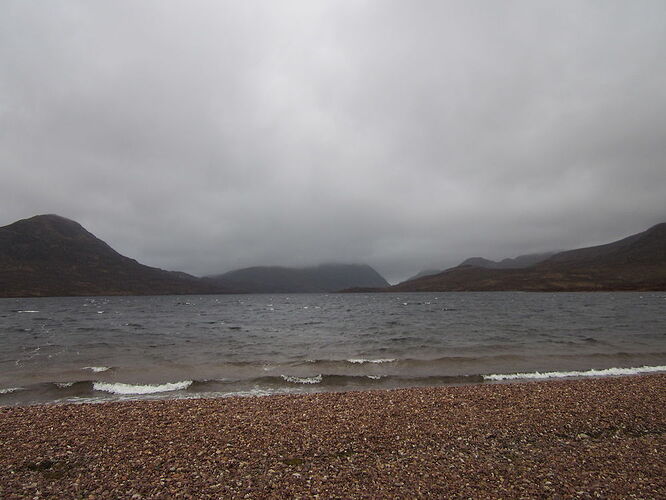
<point x="519" y="262"/>
<point x="637" y="262"/>
<point x="49" y="255"/>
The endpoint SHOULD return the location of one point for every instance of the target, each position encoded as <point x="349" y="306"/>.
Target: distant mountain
<point x="634" y="263"/>
<point x="421" y="274"/>
<point x="519" y="262"/>
<point x="516" y="263"/>
<point x="49" y="255"/>
<point x="323" y="278"/>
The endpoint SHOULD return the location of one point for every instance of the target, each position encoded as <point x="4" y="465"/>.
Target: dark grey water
<point x="91" y="349"/>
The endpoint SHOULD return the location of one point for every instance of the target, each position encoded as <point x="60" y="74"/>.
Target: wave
<point x="120" y="388"/>
<point x="97" y="391"/>
<point x="334" y="381"/>
<point x="363" y="360"/>
<point x="585" y="373"/>
<point x="302" y="380"/>
<point x="96" y="369"/>
<point x="27" y="311"/>
<point x="9" y="390"/>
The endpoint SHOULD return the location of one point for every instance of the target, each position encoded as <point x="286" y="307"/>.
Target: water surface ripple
<point x="101" y="348"/>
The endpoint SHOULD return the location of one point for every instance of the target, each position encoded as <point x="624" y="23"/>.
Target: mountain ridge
<point x="50" y="255"/>
<point x="519" y="262"/>
<point x="637" y="262"/>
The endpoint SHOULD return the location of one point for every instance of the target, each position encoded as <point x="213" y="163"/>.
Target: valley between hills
<point x="49" y="255"/>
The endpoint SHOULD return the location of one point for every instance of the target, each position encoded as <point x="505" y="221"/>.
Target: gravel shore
<point x="575" y="438"/>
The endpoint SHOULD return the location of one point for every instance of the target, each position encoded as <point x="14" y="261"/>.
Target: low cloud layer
<point x="207" y="136"/>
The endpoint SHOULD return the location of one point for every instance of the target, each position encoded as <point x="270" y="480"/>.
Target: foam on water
<point x="9" y="390"/>
<point x="362" y="360"/>
<point x="256" y="392"/>
<point x="120" y="388"/>
<point x="237" y="346"/>
<point x="27" y="311"/>
<point x="96" y="369"/>
<point x="64" y="385"/>
<point x="565" y="374"/>
<point x="303" y="380"/>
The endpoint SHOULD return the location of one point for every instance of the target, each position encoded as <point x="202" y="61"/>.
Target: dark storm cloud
<point x="205" y="136"/>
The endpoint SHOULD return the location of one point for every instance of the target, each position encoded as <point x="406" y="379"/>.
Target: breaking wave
<point x="9" y="390"/>
<point x="362" y="360"/>
<point x="302" y="380"/>
<point x="565" y="374"/>
<point x="97" y="369"/>
<point x="120" y="388"/>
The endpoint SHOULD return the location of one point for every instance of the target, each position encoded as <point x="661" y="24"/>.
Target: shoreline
<point x="114" y="391"/>
<point x="569" y="437"/>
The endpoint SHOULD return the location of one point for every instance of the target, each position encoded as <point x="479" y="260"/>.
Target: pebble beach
<point x="593" y="438"/>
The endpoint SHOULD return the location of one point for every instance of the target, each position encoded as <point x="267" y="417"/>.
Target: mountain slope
<point x="49" y="255"/>
<point x="634" y="263"/>
<point x="509" y="263"/>
<point x="425" y="272"/>
<point x="519" y="262"/>
<point x="323" y="278"/>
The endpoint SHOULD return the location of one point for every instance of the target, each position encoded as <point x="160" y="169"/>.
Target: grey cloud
<point x="204" y="136"/>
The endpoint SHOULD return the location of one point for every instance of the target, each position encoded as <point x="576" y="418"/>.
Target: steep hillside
<point x="49" y="255"/>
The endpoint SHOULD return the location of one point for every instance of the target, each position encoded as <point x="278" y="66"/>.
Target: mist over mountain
<point x="49" y="255"/>
<point x="322" y="278"/>
<point x="238" y="134"/>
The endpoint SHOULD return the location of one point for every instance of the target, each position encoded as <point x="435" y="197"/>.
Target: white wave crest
<point x="302" y="380"/>
<point x="120" y="388"/>
<point x="362" y="360"/>
<point x="374" y="377"/>
<point x="256" y="392"/>
<point x="64" y="385"/>
<point x="27" y="311"/>
<point x="96" y="369"/>
<point x="9" y="390"/>
<point x="586" y="373"/>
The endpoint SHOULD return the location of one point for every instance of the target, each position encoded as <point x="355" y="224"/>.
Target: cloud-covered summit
<point x="206" y="136"/>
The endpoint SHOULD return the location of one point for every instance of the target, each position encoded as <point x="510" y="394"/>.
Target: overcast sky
<point x="207" y="136"/>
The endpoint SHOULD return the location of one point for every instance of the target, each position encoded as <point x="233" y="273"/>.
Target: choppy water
<point x="103" y="348"/>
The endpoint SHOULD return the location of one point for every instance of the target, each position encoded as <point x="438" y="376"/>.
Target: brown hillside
<point x="49" y="255"/>
<point x="634" y="263"/>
